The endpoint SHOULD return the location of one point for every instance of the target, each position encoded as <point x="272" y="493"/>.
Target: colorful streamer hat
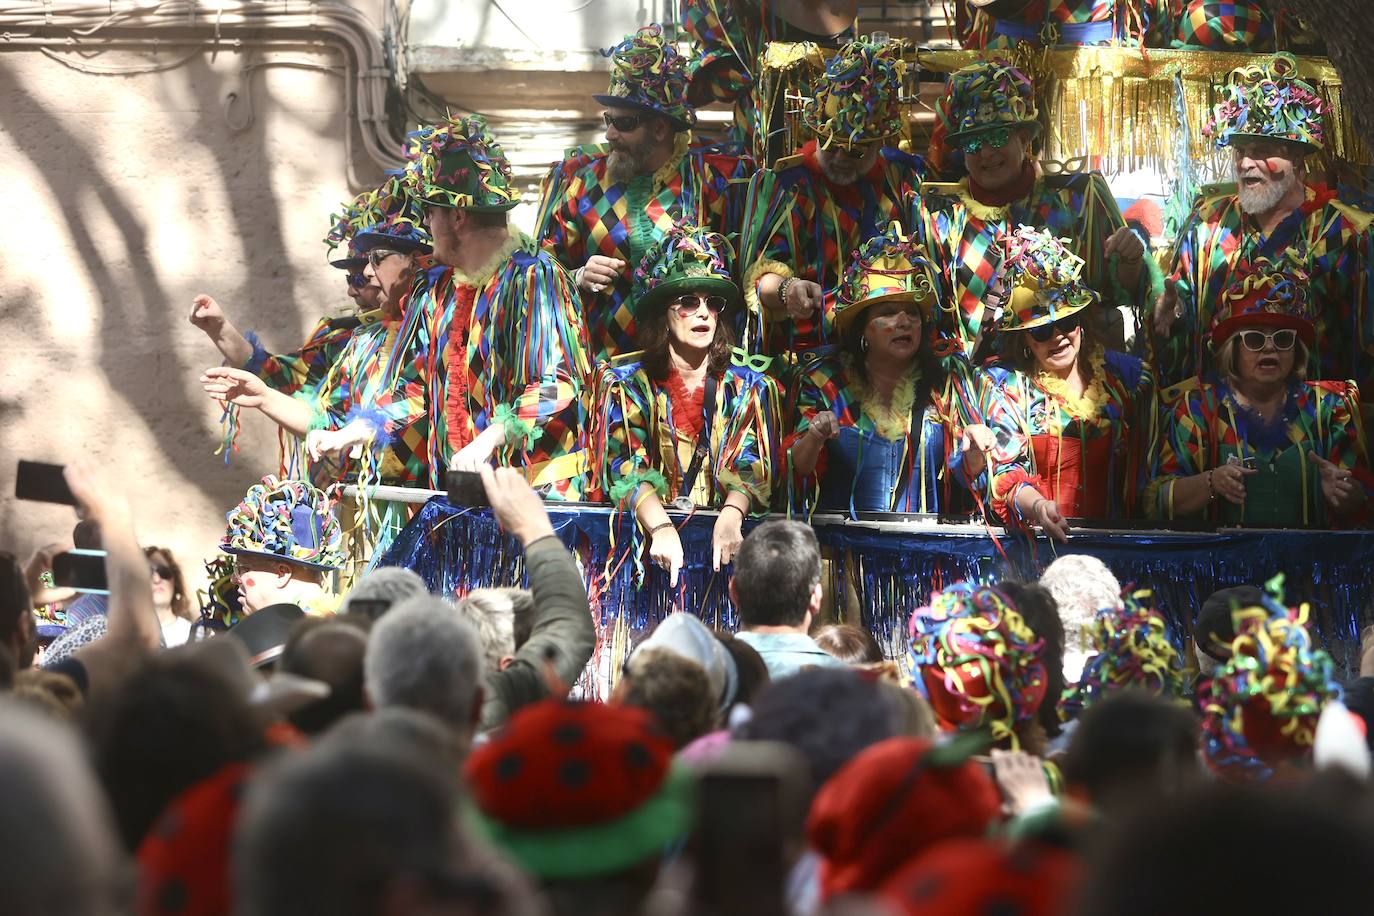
<point x="1268" y="101"/>
<point x="886" y="267"/>
<point x="986" y="96"/>
<point x="648" y="73"/>
<point x="973" y="657"/>
<point x="343" y="226"/>
<point x="1269" y="293"/>
<point x="687" y="259"/>
<point x="572" y="790"/>
<point x="1260" y="710"/>
<point x="285" y="520"/>
<point x="458" y="164"/>
<point x="1237" y="26"/>
<point x="1043" y="276"/>
<point x="391" y="218"/>
<point x="1132" y="650"/>
<point x="856" y="101"/>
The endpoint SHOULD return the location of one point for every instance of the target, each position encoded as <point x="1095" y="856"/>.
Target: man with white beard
<point x="1272" y="123"/>
<point x="604" y="207"/>
<point x="807" y="215"/>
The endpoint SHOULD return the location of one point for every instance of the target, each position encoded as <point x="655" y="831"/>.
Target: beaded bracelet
<point x="735" y="507"/>
<point x="1211" y="493"/>
<point x="659" y="527"/>
<point x="782" y="289"/>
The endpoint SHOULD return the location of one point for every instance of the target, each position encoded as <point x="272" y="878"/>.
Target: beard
<point x="841" y="169"/>
<point x="1265" y="196"/>
<point x="630" y="160"/>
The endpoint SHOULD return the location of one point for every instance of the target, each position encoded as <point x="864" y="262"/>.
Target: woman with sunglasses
<point x="1258" y="445"/>
<point x="1070" y="426"/>
<point x="372" y="398"/>
<point x="875" y="433"/>
<point x="683" y="424"/>
<point x="173" y="606"/>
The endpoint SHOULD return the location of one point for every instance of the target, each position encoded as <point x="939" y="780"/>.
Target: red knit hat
<point x="577" y="789"/>
<point x="183" y="862"/>
<point x="891" y="801"/>
<point x="983" y="876"/>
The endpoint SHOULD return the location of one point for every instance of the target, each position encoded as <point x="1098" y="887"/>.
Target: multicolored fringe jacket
<point x="798" y="223"/>
<point x="582" y="213"/>
<point x="1092" y="455"/>
<point x="307" y="366"/>
<point x="1208" y="428"/>
<point x="381" y="377"/>
<point x="1060" y="23"/>
<point x="879" y="462"/>
<point x="507" y="344"/>
<point x="647" y="432"/>
<point x="960" y="234"/>
<point x="1328" y="239"/>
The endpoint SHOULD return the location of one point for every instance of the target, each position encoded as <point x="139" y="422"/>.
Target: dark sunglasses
<point x="165" y="573"/>
<point x="356" y="280"/>
<point x="1255" y="341"/>
<point x="689" y="303"/>
<point x="623" y="123"/>
<point x="378" y="255"/>
<point x="1066" y="326"/>
<point x="859" y="151"/>
<point x="996" y="138"/>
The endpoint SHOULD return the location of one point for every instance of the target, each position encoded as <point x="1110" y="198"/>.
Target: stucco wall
<point x="124" y="196"/>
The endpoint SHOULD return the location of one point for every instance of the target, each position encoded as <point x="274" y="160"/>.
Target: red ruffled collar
<point x="687" y="405"/>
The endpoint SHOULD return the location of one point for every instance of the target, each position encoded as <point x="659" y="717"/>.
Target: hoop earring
<point x="1026" y="354"/>
<point x="863" y="344"/>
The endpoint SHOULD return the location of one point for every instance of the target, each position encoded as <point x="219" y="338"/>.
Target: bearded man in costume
<point x="603" y="209"/>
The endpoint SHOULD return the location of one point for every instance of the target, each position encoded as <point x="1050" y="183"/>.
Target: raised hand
<point x="237" y="386"/>
<point x="804" y="298"/>
<point x="207" y="315"/>
<point x="598" y="273"/>
<point x="1166" y="307"/>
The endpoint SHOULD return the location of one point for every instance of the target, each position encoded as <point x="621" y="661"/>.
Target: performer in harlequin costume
<point x="729" y="35"/>
<point x="373" y="398"/>
<point x="878" y="419"/>
<point x="600" y="211"/>
<point x="1060" y="23"/>
<point x="683" y="423"/>
<point x="808" y="214"/>
<point x="1074" y="424"/>
<point x="1258" y="445"/>
<point x="1260" y="711"/>
<point x="1131" y="651"/>
<point x="987" y="114"/>
<point x="978" y="664"/>
<point x="506" y="357"/>
<point x="1272" y="123"/>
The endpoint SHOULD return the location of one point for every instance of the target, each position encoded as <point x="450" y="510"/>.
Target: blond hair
<point x="1226" y="359"/>
<point x="493" y="612"/>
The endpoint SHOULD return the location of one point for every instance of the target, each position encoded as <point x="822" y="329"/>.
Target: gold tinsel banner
<point x="1119" y="104"/>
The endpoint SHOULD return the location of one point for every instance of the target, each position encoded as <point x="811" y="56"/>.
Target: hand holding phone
<point x="45" y="483"/>
<point x="465" y="489"/>
<point x="81" y="570"/>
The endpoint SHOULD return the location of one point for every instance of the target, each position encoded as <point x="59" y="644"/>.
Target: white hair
<point x="423" y="655"/>
<point x="492" y="611"/>
<point x="392" y="584"/>
<point x="1081" y="586"/>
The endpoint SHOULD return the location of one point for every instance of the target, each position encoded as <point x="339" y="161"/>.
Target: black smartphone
<point x="465" y="489"/>
<point x="42" y="483"/>
<point x="371" y="608"/>
<point x="83" y="570"/>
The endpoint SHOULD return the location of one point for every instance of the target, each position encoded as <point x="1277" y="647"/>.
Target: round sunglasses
<point x="1066" y="326"/>
<point x="1255" y="341"/>
<point x="689" y="303"/>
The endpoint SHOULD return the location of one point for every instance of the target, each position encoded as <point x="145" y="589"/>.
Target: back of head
<point x="331" y="652"/>
<point x="175" y="722"/>
<point x="1196" y="855"/>
<point x="675" y="690"/>
<point x="86" y="535"/>
<point x="829" y="714"/>
<point x="493" y="612"/>
<point x="1215" y="628"/>
<point x="423" y="655"/>
<point x="776" y="569"/>
<point x="1081" y="586"/>
<point x="1041" y="614"/>
<point x="1132" y="747"/>
<point x="392" y="584"/>
<point x="749" y="666"/>
<point x="850" y="644"/>
<point x="331" y="830"/>
<point x="58" y="851"/>
<point x="418" y="735"/>
<point x="15" y="604"/>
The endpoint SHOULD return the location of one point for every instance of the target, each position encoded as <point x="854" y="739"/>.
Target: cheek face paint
<point x="1273" y="165"/>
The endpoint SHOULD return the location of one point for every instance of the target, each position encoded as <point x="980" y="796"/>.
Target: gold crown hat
<point x="886" y="267"/>
<point x="856" y="100"/>
<point x="1044" y="279"/>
